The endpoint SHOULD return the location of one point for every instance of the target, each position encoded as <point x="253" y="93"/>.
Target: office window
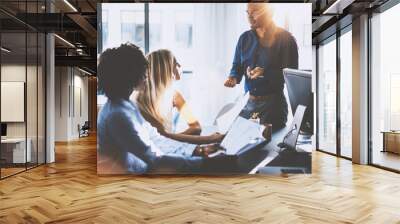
<point x="385" y="87"/>
<point x="132" y="27"/>
<point x="171" y="27"/>
<point x="394" y="101"/>
<point x="156" y="33"/>
<point x="327" y="96"/>
<point x="183" y="29"/>
<point x="126" y="24"/>
<point x="346" y="94"/>
<point x="104" y="26"/>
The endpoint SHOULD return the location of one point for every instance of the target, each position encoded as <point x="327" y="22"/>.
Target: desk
<point x="250" y="161"/>
<point x="391" y="141"/>
<point x="13" y="150"/>
<point x="259" y="157"/>
<point x="268" y="155"/>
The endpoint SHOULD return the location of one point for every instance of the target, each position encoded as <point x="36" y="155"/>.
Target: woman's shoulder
<point x="121" y="109"/>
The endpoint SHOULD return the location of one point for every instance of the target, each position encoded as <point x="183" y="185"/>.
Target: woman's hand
<point x="178" y="101"/>
<point x="194" y="129"/>
<point x="217" y="137"/>
<point x="206" y="150"/>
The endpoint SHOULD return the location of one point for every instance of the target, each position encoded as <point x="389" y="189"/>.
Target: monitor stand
<point x="290" y="139"/>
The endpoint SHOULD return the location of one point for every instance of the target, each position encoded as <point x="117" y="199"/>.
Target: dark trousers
<point x="273" y="110"/>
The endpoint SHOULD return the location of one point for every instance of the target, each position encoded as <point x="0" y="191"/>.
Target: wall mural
<point x="205" y="88"/>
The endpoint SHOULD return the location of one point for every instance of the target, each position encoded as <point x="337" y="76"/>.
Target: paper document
<point x="225" y="121"/>
<point x="241" y="134"/>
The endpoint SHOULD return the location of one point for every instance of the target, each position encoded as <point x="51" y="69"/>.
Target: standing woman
<point x="158" y="99"/>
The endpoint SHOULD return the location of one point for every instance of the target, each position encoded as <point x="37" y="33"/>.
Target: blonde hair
<point x="160" y="78"/>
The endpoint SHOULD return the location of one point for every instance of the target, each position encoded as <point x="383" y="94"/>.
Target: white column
<point x="360" y="90"/>
<point x="63" y="99"/>
<point x="50" y="93"/>
<point x="50" y="108"/>
<point x="314" y="90"/>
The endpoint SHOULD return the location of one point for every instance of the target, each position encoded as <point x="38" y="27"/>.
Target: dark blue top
<point x="249" y="52"/>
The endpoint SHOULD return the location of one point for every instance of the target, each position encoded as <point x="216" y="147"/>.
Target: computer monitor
<point x="298" y="84"/>
<point x="3" y="130"/>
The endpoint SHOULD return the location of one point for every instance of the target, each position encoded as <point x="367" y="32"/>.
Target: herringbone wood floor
<point x="70" y="191"/>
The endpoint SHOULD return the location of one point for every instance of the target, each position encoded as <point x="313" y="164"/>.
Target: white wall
<point x="71" y="93"/>
<point x="80" y="89"/>
<point x="16" y="73"/>
<point x="33" y="126"/>
<point x="61" y="103"/>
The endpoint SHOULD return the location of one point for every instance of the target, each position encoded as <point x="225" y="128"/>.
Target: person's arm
<point x="236" y="73"/>
<point x="124" y="132"/>
<point x="195" y="139"/>
<point x="291" y="56"/>
<point x="128" y="138"/>
<point x="237" y="70"/>
<point x="193" y="129"/>
<point x="185" y="112"/>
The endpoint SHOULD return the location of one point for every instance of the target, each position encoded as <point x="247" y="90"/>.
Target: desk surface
<point x="390" y="132"/>
<point x="12" y="140"/>
<point x="250" y="161"/>
<point x="253" y="159"/>
<point x="259" y="157"/>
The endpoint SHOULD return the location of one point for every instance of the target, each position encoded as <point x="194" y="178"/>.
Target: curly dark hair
<point x="121" y="70"/>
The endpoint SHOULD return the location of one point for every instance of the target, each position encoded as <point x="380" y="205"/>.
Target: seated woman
<point x="158" y="98"/>
<point x="127" y="143"/>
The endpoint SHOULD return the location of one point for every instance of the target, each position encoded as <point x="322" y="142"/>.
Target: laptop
<point x="225" y="121"/>
<point x="242" y="136"/>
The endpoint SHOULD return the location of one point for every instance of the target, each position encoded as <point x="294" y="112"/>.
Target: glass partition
<point x="346" y="94"/>
<point x="15" y="150"/>
<point x="385" y="89"/>
<point x="327" y="97"/>
<point x="31" y="97"/>
<point x="22" y="88"/>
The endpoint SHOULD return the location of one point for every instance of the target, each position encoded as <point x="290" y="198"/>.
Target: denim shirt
<point x="250" y="53"/>
<point x="131" y="141"/>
